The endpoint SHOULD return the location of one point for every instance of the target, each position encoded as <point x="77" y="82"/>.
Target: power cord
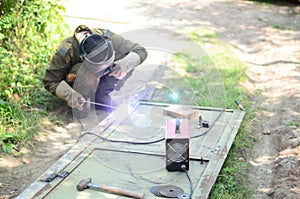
<point x="153" y="141"/>
<point x="119" y="141"/>
<point x="183" y="167"/>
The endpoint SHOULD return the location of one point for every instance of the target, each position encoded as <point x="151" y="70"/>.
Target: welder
<point x="90" y="64"/>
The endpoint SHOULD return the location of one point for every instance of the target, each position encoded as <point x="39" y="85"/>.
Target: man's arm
<point x="123" y="47"/>
<point x="54" y="79"/>
<point x="128" y="56"/>
<point x="59" y="66"/>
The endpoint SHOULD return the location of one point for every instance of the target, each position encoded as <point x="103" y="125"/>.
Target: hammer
<point x="87" y="183"/>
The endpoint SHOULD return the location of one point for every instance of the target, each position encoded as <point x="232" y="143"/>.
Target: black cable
<point x="210" y="127"/>
<point x="189" y="178"/>
<point x="154" y="141"/>
<point x="121" y="141"/>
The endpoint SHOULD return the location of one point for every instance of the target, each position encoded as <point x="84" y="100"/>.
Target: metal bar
<point x="148" y="153"/>
<point x="100" y="104"/>
<point x="142" y="102"/>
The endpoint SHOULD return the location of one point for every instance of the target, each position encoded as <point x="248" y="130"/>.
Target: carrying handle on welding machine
<point x="177" y="129"/>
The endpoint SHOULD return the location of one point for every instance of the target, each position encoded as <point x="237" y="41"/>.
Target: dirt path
<point x="265" y="37"/>
<point x="268" y="41"/>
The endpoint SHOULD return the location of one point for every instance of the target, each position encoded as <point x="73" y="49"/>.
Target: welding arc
<point x="154" y="141"/>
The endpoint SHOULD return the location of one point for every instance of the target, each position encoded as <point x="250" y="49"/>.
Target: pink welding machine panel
<point x="177" y="128"/>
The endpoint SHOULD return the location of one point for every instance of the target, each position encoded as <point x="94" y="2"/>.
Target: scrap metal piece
<point x="54" y="175"/>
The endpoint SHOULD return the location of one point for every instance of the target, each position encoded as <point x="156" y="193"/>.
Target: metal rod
<point x="100" y="104"/>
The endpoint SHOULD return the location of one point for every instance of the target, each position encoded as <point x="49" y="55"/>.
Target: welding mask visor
<point x="97" y="53"/>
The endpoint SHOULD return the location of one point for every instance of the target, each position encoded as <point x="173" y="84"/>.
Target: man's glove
<point x="123" y="66"/>
<point x="73" y="98"/>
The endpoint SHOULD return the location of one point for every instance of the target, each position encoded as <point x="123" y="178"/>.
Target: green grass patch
<point x="213" y="77"/>
<point x="32" y="30"/>
<point x="17" y="126"/>
<point x="293" y="123"/>
<point x="232" y="180"/>
<point x="277" y="26"/>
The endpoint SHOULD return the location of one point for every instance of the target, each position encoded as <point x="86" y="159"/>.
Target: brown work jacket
<point x="67" y="59"/>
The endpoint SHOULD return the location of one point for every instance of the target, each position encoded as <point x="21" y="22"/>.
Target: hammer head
<point x="83" y="184"/>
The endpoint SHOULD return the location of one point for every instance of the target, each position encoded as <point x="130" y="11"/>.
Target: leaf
<point x="8" y="135"/>
<point x="7" y="147"/>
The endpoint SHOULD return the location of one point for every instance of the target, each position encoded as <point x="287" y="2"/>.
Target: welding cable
<point x="189" y="178"/>
<point x="153" y="141"/>
<point x="119" y="141"/>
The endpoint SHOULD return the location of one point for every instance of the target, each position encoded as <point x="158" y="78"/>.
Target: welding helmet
<point x="97" y="52"/>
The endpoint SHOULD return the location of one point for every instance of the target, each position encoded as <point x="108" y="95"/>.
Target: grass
<point x="32" y="30"/>
<point x="21" y="123"/>
<point x="213" y="78"/>
<point x="232" y="180"/>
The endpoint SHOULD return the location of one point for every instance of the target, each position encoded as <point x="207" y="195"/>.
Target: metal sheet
<point x="120" y="169"/>
<point x="111" y="160"/>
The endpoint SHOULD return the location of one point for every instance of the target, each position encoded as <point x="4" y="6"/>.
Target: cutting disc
<point x="170" y="191"/>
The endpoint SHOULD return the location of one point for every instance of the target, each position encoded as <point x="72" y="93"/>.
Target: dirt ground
<point x="266" y="38"/>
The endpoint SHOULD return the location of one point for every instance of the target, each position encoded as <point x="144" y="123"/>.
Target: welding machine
<point x="177" y="144"/>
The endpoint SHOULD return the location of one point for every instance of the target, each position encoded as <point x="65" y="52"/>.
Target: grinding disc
<point x="170" y="191"/>
<point x="155" y="192"/>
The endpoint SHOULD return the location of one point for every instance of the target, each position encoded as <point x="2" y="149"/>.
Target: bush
<point x="29" y="33"/>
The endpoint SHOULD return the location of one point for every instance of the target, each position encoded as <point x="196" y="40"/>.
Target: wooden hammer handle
<point x="123" y="192"/>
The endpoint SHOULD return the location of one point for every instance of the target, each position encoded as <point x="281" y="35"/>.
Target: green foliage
<point x="232" y="180"/>
<point x="17" y="125"/>
<point x="214" y="81"/>
<point x="29" y="33"/>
